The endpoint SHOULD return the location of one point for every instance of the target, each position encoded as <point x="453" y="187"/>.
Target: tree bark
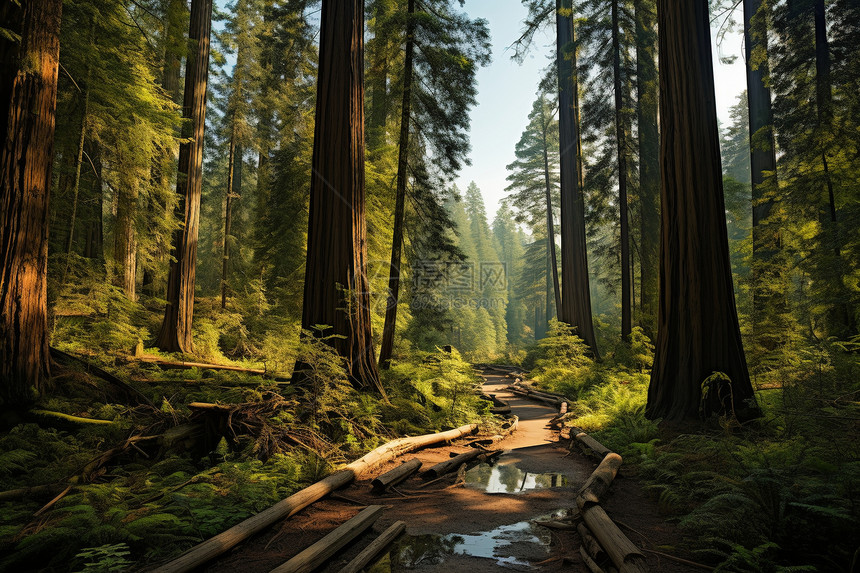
<point x="175" y="334"/>
<point x="550" y="225"/>
<point x="621" y="140"/>
<point x="400" y="195"/>
<point x="576" y="296"/>
<point x="336" y="287"/>
<point x="228" y="211"/>
<point x="698" y="330"/>
<point x="28" y="98"/>
<point x="125" y="240"/>
<point x="649" y="162"/>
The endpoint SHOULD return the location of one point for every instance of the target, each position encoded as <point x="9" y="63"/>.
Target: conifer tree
<point x="443" y="50"/>
<point x="29" y="54"/>
<point x="534" y="185"/>
<point x="175" y="333"/>
<point x="648" y="142"/>
<point x="336" y="291"/>
<point x="698" y="330"/>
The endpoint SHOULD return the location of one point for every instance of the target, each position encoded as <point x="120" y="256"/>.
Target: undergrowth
<point x="152" y="501"/>
<point x="781" y="494"/>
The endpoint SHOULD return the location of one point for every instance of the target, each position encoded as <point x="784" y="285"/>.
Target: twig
<point x="51" y="503"/>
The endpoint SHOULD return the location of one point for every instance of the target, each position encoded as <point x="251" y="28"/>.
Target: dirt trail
<point x="485" y="525"/>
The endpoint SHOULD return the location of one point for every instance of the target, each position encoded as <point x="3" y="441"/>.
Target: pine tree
<point x="534" y="185"/>
<point x="443" y="50"/>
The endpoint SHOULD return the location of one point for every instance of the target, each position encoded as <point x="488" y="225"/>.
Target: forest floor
<point x="486" y="524"/>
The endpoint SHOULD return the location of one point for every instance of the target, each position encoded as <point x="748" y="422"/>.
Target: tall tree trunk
<point x="400" y="194"/>
<point x="550" y="224"/>
<point x="170" y="73"/>
<point x="576" y="297"/>
<point x="77" y="184"/>
<point x="765" y="237"/>
<point x="175" y="334"/>
<point x="762" y="148"/>
<point x="842" y="316"/>
<point x="228" y="212"/>
<point x="621" y="140"/>
<point x="698" y="330"/>
<point x="649" y="162"/>
<point x="378" y="76"/>
<point x="336" y="286"/>
<point x="125" y="241"/>
<point x="28" y="98"/>
<point x="94" y="247"/>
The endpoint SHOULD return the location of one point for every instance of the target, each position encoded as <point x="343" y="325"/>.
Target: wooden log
<point x="447" y="466"/>
<point x="377" y="546"/>
<point x="183" y="365"/>
<point x="322" y="550"/>
<point x="50" y="417"/>
<point x="596" y="447"/>
<point x="624" y="554"/>
<point x="589" y="562"/>
<point x="599" y="481"/>
<point x="395" y="476"/>
<point x="34" y="491"/>
<point x="66" y="358"/>
<point x="532" y="396"/>
<point x="590" y="543"/>
<point x="214" y="546"/>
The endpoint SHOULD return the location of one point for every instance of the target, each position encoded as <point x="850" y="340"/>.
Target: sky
<point x="506" y="91"/>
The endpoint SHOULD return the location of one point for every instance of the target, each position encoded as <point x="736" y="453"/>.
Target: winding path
<point x="485" y="525"/>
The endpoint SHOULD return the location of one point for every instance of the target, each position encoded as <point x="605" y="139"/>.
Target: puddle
<point x="511" y="546"/>
<point x="508" y="478"/>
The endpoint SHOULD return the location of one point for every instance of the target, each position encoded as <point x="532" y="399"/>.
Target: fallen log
<point x="589" y="543"/>
<point x="132" y="392"/>
<point x="599" y="450"/>
<point x="589" y="562"/>
<point x="395" y="476"/>
<point x="532" y="396"/>
<point x="183" y="365"/>
<point x="35" y="491"/>
<point x="322" y="550"/>
<point x="50" y="417"/>
<point x="377" y="546"/>
<point x="624" y="554"/>
<point x="447" y="466"/>
<point x="214" y="546"/>
<point x="599" y="481"/>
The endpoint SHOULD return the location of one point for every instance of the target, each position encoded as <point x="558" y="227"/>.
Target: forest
<point x="239" y="263"/>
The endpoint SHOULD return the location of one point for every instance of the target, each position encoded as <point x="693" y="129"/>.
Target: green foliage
<point x="434" y="389"/>
<point x="105" y="558"/>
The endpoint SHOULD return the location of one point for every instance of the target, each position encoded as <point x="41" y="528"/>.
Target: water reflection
<point x="511" y="546"/>
<point x="508" y="478"/>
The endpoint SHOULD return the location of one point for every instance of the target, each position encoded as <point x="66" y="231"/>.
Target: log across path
<point x="506" y="516"/>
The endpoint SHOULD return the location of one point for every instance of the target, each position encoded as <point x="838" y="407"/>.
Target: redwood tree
<point x="576" y="296"/>
<point x="336" y="287"/>
<point x="698" y="330"/>
<point x="28" y="98"/>
<point x="400" y="194"/>
<point x="649" y="160"/>
<point x="621" y="141"/>
<point x="175" y="334"/>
